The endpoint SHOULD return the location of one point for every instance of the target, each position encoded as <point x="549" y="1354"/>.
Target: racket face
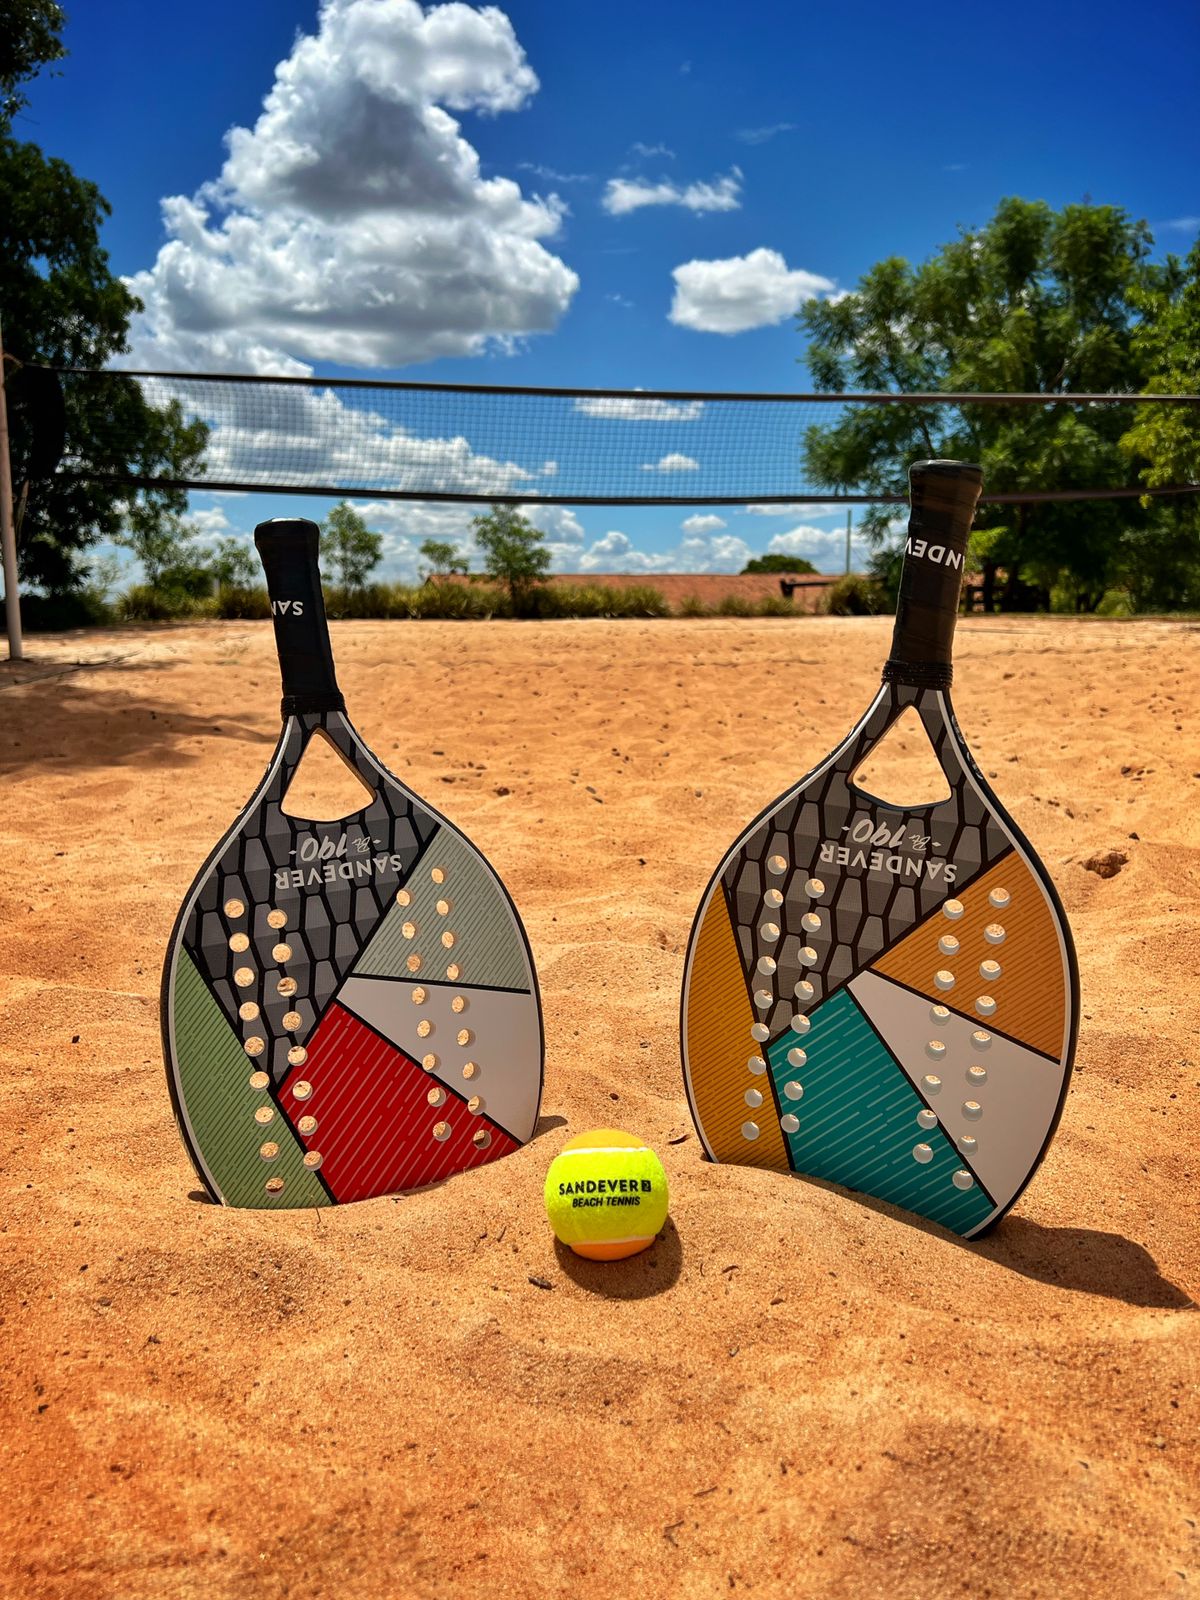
<point x="881" y="997"/>
<point x="349" y="1007"/>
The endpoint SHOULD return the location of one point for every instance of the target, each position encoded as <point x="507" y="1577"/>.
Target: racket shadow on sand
<point x="886" y="996"/>
<point x="349" y="1006"/>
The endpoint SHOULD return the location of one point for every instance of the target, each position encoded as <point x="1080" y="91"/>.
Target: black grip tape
<point x="942" y="496"/>
<point x="289" y="547"/>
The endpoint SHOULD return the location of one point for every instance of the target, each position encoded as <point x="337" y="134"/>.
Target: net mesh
<point x="413" y="441"/>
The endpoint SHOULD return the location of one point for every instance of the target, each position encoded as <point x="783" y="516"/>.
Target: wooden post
<point x="8" y="536"/>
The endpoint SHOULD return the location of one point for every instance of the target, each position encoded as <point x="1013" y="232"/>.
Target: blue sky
<point x="620" y="195"/>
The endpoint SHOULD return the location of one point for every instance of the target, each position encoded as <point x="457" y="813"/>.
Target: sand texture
<point x="795" y="1392"/>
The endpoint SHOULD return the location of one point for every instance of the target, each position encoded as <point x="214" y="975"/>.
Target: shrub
<point x="732" y="605"/>
<point x="145" y="604"/>
<point x="599" y="600"/>
<point x="456" y="602"/>
<point x="237" y="602"/>
<point x="774" y="605"/>
<point x="692" y="606"/>
<point x="854" y="596"/>
<point x="87" y="607"/>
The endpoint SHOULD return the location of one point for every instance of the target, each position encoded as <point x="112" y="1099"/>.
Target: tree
<point x="63" y="307"/>
<point x="776" y="561"/>
<point x="29" y="41"/>
<point x="231" y="563"/>
<point x="513" y="554"/>
<point x="443" y="558"/>
<point x="348" y="545"/>
<point x="1037" y="301"/>
<point x="171" y="560"/>
<point x="1167" y="438"/>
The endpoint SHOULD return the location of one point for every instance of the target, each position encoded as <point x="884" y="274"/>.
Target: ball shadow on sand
<point x="638" y="1277"/>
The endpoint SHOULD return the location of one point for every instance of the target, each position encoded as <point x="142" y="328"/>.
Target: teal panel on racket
<point x="223" y="1110"/>
<point x="487" y="948"/>
<point x="857" y="1119"/>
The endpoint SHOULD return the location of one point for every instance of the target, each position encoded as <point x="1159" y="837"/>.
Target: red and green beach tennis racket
<point x="884" y="996"/>
<point x="349" y="1007"/>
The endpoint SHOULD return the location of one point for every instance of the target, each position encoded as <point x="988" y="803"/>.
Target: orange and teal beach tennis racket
<point x="349" y="1007"/>
<point x="884" y="996"/>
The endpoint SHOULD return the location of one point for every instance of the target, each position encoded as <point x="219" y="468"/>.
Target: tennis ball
<point x="606" y="1195"/>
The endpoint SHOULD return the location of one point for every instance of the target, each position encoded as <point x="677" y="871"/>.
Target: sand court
<point x="796" y="1391"/>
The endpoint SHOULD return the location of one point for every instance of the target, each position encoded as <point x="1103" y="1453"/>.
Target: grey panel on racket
<point x="501" y="1029"/>
<point x="987" y="1117"/>
<point x="486" y="946"/>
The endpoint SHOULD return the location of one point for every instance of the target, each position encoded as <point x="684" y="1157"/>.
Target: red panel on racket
<point x="294" y="928"/>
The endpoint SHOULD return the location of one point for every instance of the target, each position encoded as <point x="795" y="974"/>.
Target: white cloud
<point x="623" y="195"/>
<point x="1182" y="224"/>
<point x="672" y="463"/>
<point x="764" y="135"/>
<point x="824" y="547"/>
<point x="210" y="521"/>
<point x="352" y="224"/>
<point x="633" y="410"/>
<point x="291" y="434"/>
<point x="741" y="292"/>
<point x="647" y="151"/>
<point x="801" y="508"/>
<point x="698" y="552"/>
<point x="702" y="524"/>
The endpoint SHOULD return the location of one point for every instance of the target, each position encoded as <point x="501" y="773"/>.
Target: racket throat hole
<point x="325" y="787"/>
<point x="902" y="770"/>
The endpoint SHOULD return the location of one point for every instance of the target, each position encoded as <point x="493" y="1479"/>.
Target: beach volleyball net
<point x="371" y="439"/>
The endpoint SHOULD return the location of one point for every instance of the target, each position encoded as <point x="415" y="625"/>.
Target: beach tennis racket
<point x="883" y="996"/>
<point x="349" y="1007"/>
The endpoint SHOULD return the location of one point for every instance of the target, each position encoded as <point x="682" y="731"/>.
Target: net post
<point x="8" y="537"/>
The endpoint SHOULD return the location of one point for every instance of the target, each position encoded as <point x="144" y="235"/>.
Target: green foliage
<point x="231" y="564"/>
<point x="144" y="603"/>
<point x="349" y="547"/>
<point x="87" y="606"/>
<point x="443" y="558"/>
<point x="1037" y="301"/>
<point x="513" y="555"/>
<point x="777" y="562"/>
<point x="855" y="596"/>
<point x="62" y="306"/>
<point x="173" y="562"/>
<point x="29" y="41"/>
<point x="1167" y="339"/>
<point x="774" y="605"/>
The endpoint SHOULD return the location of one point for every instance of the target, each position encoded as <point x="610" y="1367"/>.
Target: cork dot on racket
<point x="234" y="908"/>
<point x="606" y="1195"/>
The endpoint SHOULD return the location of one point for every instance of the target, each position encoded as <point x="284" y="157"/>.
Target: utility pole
<point x="8" y="536"/>
<point x="849" y="521"/>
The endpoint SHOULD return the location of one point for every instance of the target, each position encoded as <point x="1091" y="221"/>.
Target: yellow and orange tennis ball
<point x="606" y="1195"/>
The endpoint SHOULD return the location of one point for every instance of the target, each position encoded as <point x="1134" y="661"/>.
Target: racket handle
<point x="942" y="496"/>
<point x="289" y="547"/>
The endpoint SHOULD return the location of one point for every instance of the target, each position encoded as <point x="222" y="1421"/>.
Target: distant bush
<point x="732" y="605"/>
<point x="692" y="606"/>
<point x="238" y="602"/>
<point x="774" y="605"/>
<point x="1116" y="603"/>
<point x="598" y="600"/>
<point x="73" y="608"/>
<point x="853" y="596"/>
<point x="145" y="604"/>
